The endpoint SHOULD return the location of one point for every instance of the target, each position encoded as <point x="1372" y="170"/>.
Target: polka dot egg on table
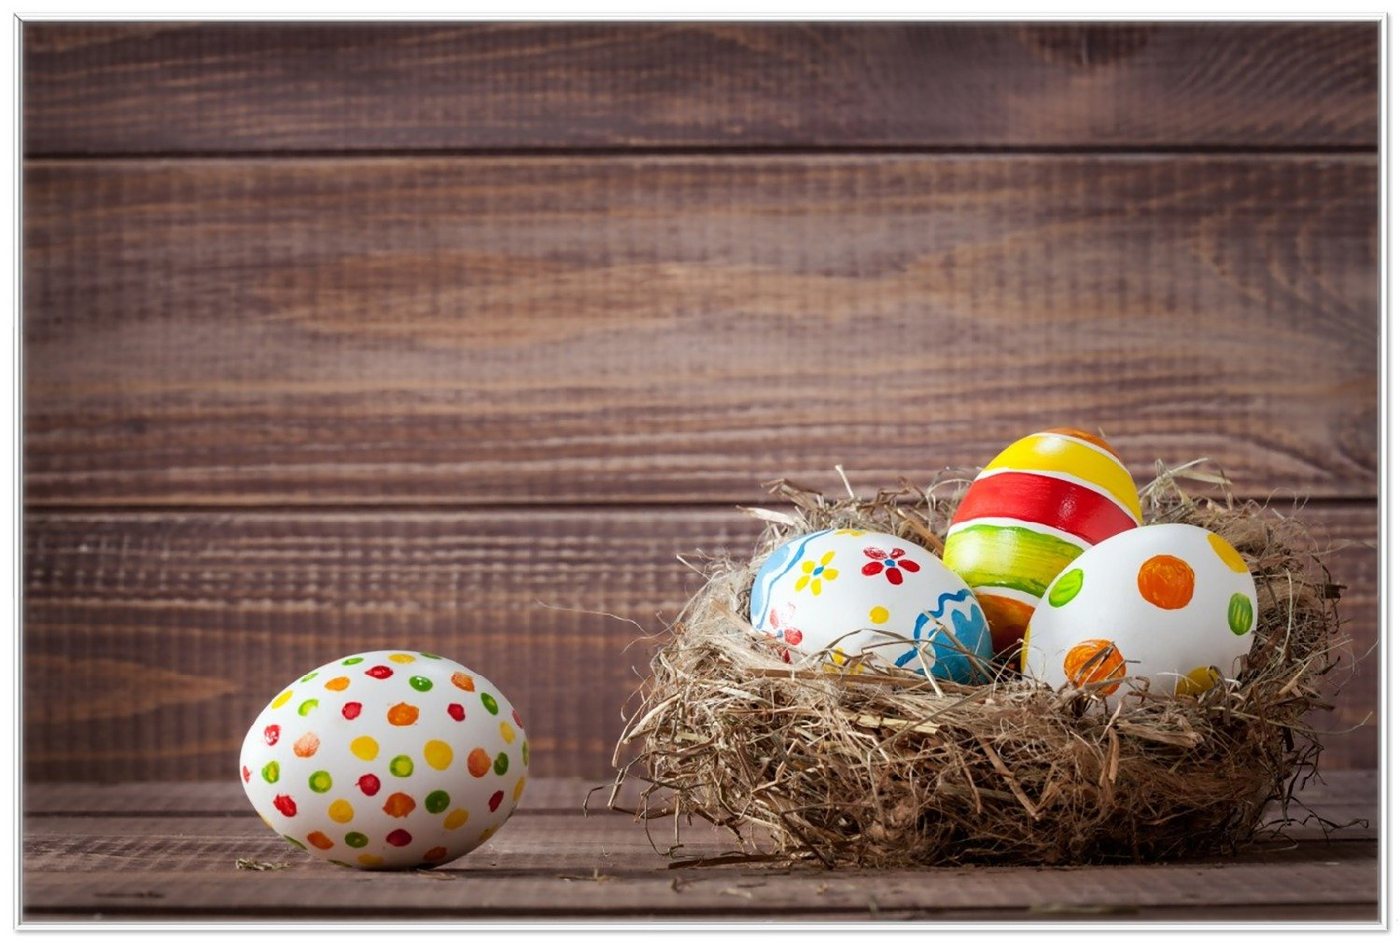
<point x="1040" y="503"/>
<point x="850" y="591"/>
<point x="1172" y="603"/>
<point x="386" y="759"/>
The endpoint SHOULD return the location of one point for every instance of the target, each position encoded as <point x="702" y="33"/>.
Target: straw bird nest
<point x="871" y="768"/>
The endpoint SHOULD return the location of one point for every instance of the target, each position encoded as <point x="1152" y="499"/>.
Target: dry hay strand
<point x="860" y="767"/>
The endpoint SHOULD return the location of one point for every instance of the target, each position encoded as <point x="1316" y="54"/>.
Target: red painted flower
<point x="784" y="630"/>
<point x="889" y="562"/>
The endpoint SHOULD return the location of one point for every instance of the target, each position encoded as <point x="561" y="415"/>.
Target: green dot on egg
<point x="272" y="771"/>
<point x="489" y="702"/>
<point x="356" y="839"/>
<point x="420" y="683"/>
<point x="1066" y="587"/>
<point x="307" y="706"/>
<point x="502" y="764"/>
<point x="401" y="766"/>
<point x="437" y="801"/>
<point x="1241" y="613"/>
<point x="319" y="781"/>
<point x="355" y="660"/>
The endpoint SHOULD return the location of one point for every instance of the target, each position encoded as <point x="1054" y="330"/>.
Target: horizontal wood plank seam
<point x="719" y="151"/>
<point x="714" y="151"/>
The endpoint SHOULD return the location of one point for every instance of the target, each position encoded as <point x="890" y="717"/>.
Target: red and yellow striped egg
<point x="1039" y="504"/>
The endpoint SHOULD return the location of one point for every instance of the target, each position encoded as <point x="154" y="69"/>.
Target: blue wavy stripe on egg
<point x="778" y="564"/>
<point x="954" y="637"/>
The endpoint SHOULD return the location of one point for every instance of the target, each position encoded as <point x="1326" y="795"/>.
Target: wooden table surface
<point x="159" y="851"/>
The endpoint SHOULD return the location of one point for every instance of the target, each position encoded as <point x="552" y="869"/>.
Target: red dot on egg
<point x="271" y="732"/>
<point x="456" y="712"/>
<point x="351" y="710"/>
<point x="369" y="784"/>
<point x="398" y="838"/>
<point x="247" y="774"/>
<point x="515" y="716"/>
<point x="380" y="671"/>
<point x="494" y="802"/>
<point x="285" y="805"/>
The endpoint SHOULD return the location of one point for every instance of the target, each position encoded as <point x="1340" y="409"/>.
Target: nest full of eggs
<point x="854" y="766"/>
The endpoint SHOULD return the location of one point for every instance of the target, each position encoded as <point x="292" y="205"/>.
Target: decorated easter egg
<point x="850" y="591"/>
<point x="1036" y="507"/>
<point x="386" y="759"/>
<point x="1172" y="603"/>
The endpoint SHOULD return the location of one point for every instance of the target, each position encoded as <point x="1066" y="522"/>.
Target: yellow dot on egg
<point x="281" y="699"/>
<point x="341" y="811"/>
<point x="370" y="861"/>
<point x="519" y="789"/>
<point x="438" y="754"/>
<point x="1197" y="680"/>
<point x="455" y="819"/>
<point x="879" y="615"/>
<point x="401" y="658"/>
<point x="839" y="660"/>
<point x="507" y="732"/>
<point x="487" y="833"/>
<point x="364" y="747"/>
<point x="1227" y="553"/>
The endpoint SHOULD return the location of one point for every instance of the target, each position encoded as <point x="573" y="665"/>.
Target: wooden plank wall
<point x="451" y="336"/>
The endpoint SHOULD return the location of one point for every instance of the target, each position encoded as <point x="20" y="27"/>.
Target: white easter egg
<point x="850" y="590"/>
<point x="386" y="759"/>
<point x="1172" y="603"/>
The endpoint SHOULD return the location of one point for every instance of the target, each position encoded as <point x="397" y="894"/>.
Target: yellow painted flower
<point x="839" y="660"/>
<point x="814" y="574"/>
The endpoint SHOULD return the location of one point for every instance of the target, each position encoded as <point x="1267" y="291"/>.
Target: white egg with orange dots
<point x="1173" y="604"/>
<point x="386" y="759"/>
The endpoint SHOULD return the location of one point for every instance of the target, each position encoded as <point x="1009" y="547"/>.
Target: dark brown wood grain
<point x="138" y="859"/>
<point x="151" y="640"/>
<point x="249" y="87"/>
<point x="497" y="331"/>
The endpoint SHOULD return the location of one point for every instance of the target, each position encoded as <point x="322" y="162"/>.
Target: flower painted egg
<point x="387" y="759"/>
<point x="853" y="589"/>
<point x="1172" y="603"/>
<point x="1036" y="507"/>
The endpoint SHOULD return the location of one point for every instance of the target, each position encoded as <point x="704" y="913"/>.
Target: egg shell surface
<point x="1173" y="603"/>
<point x="386" y="759"/>
<point x="1033" y="509"/>
<point x="850" y="589"/>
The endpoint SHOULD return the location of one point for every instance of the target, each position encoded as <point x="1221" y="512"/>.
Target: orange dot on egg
<point x="402" y="715"/>
<point x="1166" y="581"/>
<point x="463" y="681"/>
<point x="399" y="804"/>
<point x="338" y="684"/>
<point x="307" y="745"/>
<point x="478" y="762"/>
<point x="1093" y="661"/>
<point x="320" y="840"/>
